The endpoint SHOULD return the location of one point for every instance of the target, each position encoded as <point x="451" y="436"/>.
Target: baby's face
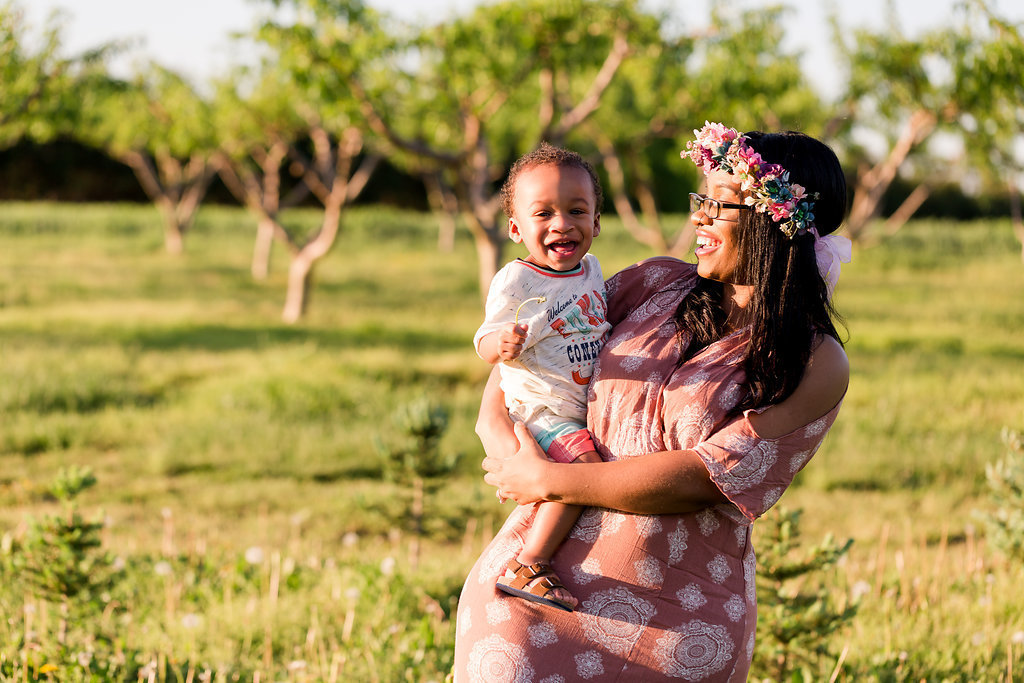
<point x="554" y="215"/>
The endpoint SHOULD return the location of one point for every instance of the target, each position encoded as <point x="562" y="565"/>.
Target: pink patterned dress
<point x="661" y="596"/>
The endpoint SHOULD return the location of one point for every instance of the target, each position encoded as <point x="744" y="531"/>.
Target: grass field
<point x="247" y="531"/>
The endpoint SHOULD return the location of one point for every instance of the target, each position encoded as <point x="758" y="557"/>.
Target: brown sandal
<point x="544" y="579"/>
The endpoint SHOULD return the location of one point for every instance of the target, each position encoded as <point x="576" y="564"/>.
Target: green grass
<point x="215" y="429"/>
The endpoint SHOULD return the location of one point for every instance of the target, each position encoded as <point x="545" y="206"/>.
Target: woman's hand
<point x="520" y="477"/>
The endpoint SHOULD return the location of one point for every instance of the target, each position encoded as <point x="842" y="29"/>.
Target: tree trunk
<point x="445" y="206"/>
<point x="299" y="275"/>
<point x="910" y="205"/>
<point x="174" y="232"/>
<point x="873" y="182"/>
<point x="265" y="231"/>
<point x="489" y="248"/>
<point x="1015" y="215"/>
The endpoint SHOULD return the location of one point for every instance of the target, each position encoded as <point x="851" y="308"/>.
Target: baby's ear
<point x="513" y="231"/>
<point x="597" y="224"/>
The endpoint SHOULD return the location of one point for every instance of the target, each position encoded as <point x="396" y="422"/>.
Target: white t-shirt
<point x="565" y="332"/>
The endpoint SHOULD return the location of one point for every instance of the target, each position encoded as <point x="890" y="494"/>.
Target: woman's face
<point x="717" y="250"/>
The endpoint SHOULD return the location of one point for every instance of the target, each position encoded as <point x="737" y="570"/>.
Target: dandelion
<point x="860" y="589"/>
<point x="191" y="620"/>
<point x="1017" y="638"/>
<point x="387" y="566"/>
<point x="118" y="564"/>
<point x="84" y="659"/>
<point x="254" y="555"/>
<point x="297" y="665"/>
<point x="978" y="639"/>
<point x="352" y="594"/>
<point x="162" y="568"/>
<point x="350" y="539"/>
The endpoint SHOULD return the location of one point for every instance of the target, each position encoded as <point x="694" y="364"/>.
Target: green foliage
<point x="1004" y="519"/>
<point x="60" y="557"/>
<point x="41" y="86"/>
<point x="419" y="426"/>
<point x="797" y="614"/>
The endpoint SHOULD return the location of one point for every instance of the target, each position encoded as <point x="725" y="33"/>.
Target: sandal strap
<point x="541" y="574"/>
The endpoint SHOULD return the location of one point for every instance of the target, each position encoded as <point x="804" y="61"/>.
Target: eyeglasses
<point x="712" y="208"/>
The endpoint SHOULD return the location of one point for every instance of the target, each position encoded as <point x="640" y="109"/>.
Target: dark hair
<point x="543" y="155"/>
<point x="790" y="304"/>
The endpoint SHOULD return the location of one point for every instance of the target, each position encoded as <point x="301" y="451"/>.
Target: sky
<point x="193" y="36"/>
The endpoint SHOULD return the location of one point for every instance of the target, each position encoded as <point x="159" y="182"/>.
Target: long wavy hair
<point x="790" y="304"/>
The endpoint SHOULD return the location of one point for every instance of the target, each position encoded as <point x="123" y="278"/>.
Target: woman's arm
<point x="669" y="481"/>
<point x="657" y="483"/>
<point x="493" y="425"/>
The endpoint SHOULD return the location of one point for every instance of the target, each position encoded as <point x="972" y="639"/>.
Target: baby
<point x="545" y="323"/>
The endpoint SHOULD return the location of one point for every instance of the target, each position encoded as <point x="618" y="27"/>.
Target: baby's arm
<point x="504" y="344"/>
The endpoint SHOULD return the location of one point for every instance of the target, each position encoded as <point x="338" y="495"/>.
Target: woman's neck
<point x="736" y="306"/>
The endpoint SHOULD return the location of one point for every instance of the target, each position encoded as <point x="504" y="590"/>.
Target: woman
<point x="718" y="383"/>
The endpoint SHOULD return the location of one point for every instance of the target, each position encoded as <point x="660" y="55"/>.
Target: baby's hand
<point x="510" y="341"/>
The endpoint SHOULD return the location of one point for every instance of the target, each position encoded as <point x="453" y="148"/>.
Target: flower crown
<point x="718" y="148"/>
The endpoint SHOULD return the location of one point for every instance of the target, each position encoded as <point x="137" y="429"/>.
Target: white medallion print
<point x="586" y="571"/>
<point x="594" y="522"/>
<point x="553" y="678"/>
<point x="588" y="664"/>
<point x="465" y="621"/>
<point x="648" y="572"/>
<point x="647" y="525"/>
<point x="655" y="275"/>
<point x="730" y="396"/>
<point x="692" y="426"/>
<point x="750" y="576"/>
<point x="694" y="651"/>
<point x="798" y="460"/>
<point x="615" y="619"/>
<point x="542" y="635"/>
<point x="817" y="427"/>
<point x="496" y="660"/>
<point x="698" y="377"/>
<point x="493" y="564"/>
<point x="741" y="535"/>
<point x="691" y="597"/>
<point x="718" y="568"/>
<point x="758" y="457"/>
<point x="771" y="497"/>
<point x="497" y="612"/>
<point x="677" y="543"/>
<point x="708" y="522"/>
<point x="735" y="608"/>
<point x="631" y="363"/>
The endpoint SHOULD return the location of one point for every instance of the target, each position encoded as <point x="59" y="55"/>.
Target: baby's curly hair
<point x="547" y="154"/>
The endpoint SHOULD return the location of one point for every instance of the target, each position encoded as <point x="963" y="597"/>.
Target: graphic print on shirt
<point x="580" y="322"/>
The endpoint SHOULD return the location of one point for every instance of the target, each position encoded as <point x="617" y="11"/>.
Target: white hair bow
<point x="829" y="252"/>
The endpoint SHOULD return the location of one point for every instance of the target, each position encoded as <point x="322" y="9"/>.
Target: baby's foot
<point x="536" y="582"/>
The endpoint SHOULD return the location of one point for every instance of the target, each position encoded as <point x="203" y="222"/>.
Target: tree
<point x="988" y="74"/>
<point x="256" y="131"/>
<point x="162" y="129"/>
<point x="320" y="55"/>
<point x="737" y="71"/>
<point x="462" y="99"/>
<point x="39" y="97"/>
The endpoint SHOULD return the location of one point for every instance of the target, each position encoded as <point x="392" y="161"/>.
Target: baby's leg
<point x="549" y="528"/>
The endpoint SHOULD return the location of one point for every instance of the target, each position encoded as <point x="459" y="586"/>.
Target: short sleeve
<point x="753" y="472"/>
<point x="631" y="287"/>
<point x="500" y="307"/>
